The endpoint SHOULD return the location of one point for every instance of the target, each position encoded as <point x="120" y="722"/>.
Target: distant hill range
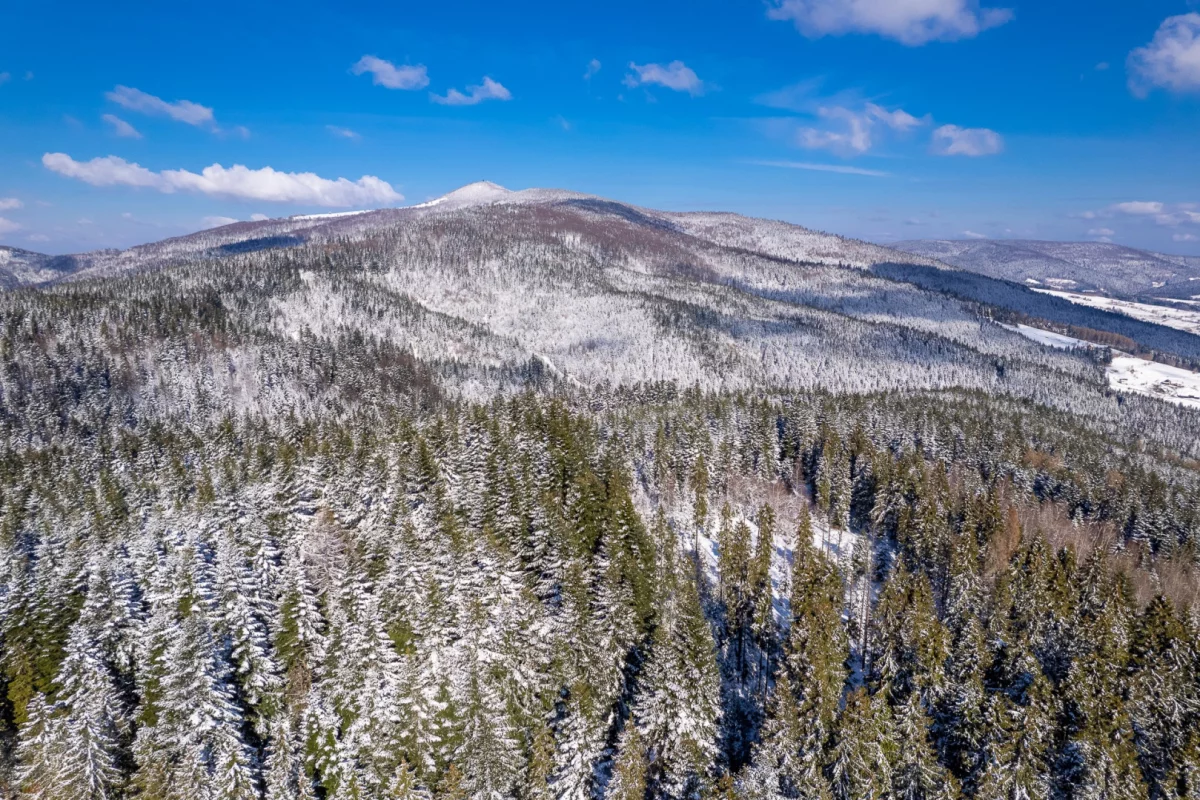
<point x="484" y="281"/>
<point x="1072" y="266"/>
<point x="23" y="268"/>
<point x="774" y="239"/>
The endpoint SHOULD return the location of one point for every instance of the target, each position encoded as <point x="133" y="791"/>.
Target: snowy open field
<point x="1157" y="380"/>
<point x="1048" y="338"/>
<point x="1130" y="374"/>
<point x="1159" y="315"/>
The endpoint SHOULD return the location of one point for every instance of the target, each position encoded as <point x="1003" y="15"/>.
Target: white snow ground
<point x="1157" y="380"/>
<point x="1048" y="338"/>
<point x="332" y="214"/>
<point x="837" y="544"/>
<point x="1127" y="373"/>
<point x="1159" y="315"/>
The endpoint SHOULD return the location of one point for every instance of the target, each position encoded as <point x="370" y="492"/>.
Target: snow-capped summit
<point x="473" y="194"/>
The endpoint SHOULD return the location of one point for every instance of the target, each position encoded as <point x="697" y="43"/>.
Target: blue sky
<point x="883" y="119"/>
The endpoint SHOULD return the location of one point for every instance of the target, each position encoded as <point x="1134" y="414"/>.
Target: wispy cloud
<point x="488" y="90"/>
<point x="676" y="76"/>
<point x="848" y="124"/>
<point x="849" y="132"/>
<point x="343" y="133"/>
<point x="951" y="140"/>
<point x="852" y="139"/>
<point x="910" y="22"/>
<point x="1160" y="213"/>
<point x="5" y="77"/>
<point x="899" y="120"/>
<point x="180" y="110"/>
<point x="217" y="221"/>
<point x="1171" y="61"/>
<point x="386" y="74"/>
<point x="8" y="226"/>
<point x="121" y="127"/>
<point x="593" y="67"/>
<point x="10" y="203"/>
<point x="807" y="96"/>
<point x="266" y="184"/>
<point x="1139" y="208"/>
<point x="840" y="169"/>
<point x="974" y="235"/>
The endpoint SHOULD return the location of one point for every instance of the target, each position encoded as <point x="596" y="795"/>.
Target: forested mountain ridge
<point x="23" y="268"/>
<point x="542" y="496"/>
<point x="1076" y="266"/>
<point x="773" y="238"/>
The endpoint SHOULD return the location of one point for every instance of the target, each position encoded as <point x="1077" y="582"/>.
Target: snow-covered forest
<point x="560" y="499"/>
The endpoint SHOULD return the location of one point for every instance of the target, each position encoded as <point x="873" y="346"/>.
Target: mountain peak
<point x="473" y="194"/>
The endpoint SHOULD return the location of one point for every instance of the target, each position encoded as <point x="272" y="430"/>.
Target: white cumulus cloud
<point x="386" y="74"/>
<point x="10" y="203"/>
<point x="8" y="226"/>
<point x="267" y="184"/>
<point x="1139" y="208"/>
<point x="1171" y="60"/>
<point x="488" y="90"/>
<point x="951" y="140"/>
<point x="180" y="110"/>
<point x="121" y="127"/>
<point x="1185" y="237"/>
<point x="974" y="235"/>
<point x="1102" y="232"/>
<point x="107" y="171"/>
<point x="676" y="76"/>
<point x="911" y="22"/>
<point x="217" y="221"/>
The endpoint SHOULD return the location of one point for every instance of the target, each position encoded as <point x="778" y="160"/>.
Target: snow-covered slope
<point x="1130" y="374"/>
<point x="474" y="194"/>
<point x="490" y="292"/>
<point x="21" y="267"/>
<point x="1063" y="265"/>
<point x="1172" y="317"/>
<point x="792" y="242"/>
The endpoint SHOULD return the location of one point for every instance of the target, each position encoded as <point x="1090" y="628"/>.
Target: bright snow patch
<point x="1048" y="338"/>
<point x="1158" y="315"/>
<point x="331" y="215"/>
<point x="1129" y="374"/>
<point x="481" y="193"/>
<point x="1157" y="380"/>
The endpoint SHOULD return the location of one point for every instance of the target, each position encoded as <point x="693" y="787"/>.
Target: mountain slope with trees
<point x="540" y="497"/>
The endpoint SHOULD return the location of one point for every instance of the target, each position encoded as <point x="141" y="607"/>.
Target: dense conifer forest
<point x="280" y="524"/>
